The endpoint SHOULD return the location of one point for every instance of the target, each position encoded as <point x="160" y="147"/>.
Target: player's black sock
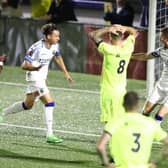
<point x="146" y="114"/>
<point x="111" y="160"/>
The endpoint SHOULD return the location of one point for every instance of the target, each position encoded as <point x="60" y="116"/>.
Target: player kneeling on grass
<point x="159" y="95"/>
<point x="130" y="138"/>
<point x="36" y="62"/>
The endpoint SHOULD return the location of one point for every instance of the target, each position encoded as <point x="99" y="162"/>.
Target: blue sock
<point x="158" y="117"/>
<point x="51" y="104"/>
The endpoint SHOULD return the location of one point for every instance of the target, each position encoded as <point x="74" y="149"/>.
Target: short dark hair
<point x="117" y="35"/>
<point x="130" y="100"/>
<point x="48" y="28"/>
<point x="165" y="32"/>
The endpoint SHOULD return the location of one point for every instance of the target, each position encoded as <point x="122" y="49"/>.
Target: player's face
<point x="164" y="40"/>
<point x="54" y="37"/>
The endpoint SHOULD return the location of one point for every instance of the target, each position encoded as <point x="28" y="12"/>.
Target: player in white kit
<point x="159" y="95"/>
<point x="36" y="63"/>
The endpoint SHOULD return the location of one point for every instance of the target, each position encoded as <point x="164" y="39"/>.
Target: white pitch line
<point x="53" y="88"/>
<point x="44" y="129"/>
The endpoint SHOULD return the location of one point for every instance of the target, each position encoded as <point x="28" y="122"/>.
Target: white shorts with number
<point x="40" y="86"/>
<point x="159" y="96"/>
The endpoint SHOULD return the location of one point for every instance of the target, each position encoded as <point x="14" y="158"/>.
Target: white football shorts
<point x="39" y="86"/>
<point x="158" y="96"/>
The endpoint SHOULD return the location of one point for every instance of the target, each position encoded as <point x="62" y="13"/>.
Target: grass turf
<point x="76" y="110"/>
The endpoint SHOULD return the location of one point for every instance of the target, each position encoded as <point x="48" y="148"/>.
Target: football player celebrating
<point x="36" y="63"/>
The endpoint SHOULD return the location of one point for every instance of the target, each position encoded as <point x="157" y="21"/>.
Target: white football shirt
<point x="38" y="55"/>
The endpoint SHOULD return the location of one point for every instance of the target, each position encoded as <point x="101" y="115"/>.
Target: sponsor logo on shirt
<point x="44" y="61"/>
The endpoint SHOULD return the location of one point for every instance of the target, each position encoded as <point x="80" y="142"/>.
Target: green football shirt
<point x="132" y="138"/>
<point x="115" y="63"/>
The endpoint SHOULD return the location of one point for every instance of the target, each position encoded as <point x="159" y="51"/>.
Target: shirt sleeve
<point x="156" y="53"/>
<point x="112" y="127"/>
<point x="102" y="47"/>
<point x="32" y="53"/>
<point x="109" y="128"/>
<point x="29" y="54"/>
<point x="106" y="48"/>
<point x="159" y="134"/>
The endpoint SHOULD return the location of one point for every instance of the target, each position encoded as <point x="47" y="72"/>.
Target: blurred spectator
<point x="11" y="8"/>
<point x="122" y="13"/>
<point x="108" y="7"/>
<point x="40" y="7"/>
<point x="162" y="10"/>
<point x="60" y="11"/>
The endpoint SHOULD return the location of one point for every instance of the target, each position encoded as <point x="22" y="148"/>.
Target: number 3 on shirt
<point x="137" y="143"/>
<point x="121" y="66"/>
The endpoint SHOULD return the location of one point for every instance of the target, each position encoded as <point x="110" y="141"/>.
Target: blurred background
<point x="77" y="107"/>
<point x="21" y="20"/>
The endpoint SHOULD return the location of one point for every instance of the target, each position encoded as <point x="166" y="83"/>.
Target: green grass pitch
<point x="76" y="120"/>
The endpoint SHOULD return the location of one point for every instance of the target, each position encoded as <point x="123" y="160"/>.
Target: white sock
<point x="14" y="108"/>
<point x="49" y="120"/>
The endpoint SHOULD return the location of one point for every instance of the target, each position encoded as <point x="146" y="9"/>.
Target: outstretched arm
<point x="60" y="62"/>
<point x="142" y="56"/>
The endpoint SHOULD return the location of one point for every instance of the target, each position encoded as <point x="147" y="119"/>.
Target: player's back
<point x="116" y="59"/>
<point x="132" y="139"/>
